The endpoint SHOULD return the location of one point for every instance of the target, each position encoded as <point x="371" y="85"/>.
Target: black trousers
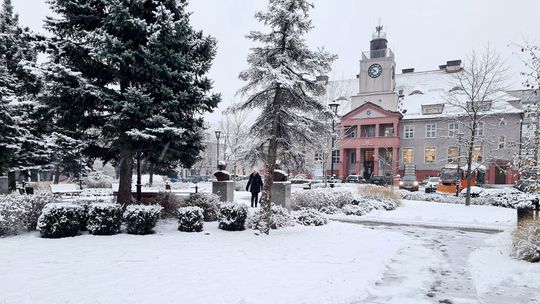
<point x="254" y="199"/>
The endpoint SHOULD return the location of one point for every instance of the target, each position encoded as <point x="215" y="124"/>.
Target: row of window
<point x="431" y="130"/>
<point x="430" y="155"/>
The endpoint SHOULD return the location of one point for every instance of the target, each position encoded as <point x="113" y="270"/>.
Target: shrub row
<point x="100" y="218"/>
<point x="21" y="212"/>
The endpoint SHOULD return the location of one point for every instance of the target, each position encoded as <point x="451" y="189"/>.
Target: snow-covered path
<point x="434" y="267"/>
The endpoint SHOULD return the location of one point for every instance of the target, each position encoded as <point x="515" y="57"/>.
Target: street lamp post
<point x="458" y="181"/>
<point x="218" y="134"/>
<point x="334" y="107"/>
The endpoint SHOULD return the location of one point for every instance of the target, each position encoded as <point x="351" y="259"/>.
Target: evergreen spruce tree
<point x="20" y="85"/>
<point x="281" y="81"/>
<point x="131" y="76"/>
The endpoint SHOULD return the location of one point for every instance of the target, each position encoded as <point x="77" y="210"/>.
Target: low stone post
<point x="281" y="190"/>
<point x="4" y="185"/>
<point x="224" y="186"/>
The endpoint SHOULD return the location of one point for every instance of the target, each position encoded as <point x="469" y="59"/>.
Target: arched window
<point x="456" y="88"/>
<point x="415" y="92"/>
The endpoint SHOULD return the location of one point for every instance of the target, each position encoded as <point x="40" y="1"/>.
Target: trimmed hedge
<point x="209" y="203"/>
<point x="141" y="219"/>
<point x="60" y="220"/>
<point x="190" y="219"/>
<point x="104" y="218"/>
<point x="233" y="217"/>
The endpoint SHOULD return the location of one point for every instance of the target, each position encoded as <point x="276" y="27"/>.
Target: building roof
<point x="426" y="88"/>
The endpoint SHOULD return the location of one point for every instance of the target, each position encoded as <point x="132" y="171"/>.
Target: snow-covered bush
<point x="232" y="216"/>
<point x="329" y="209"/>
<point x="190" y="219"/>
<point x="170" y="204"/>
<point x="526" y="241"/>
<point x="388" y="198"/>
<point x="359" y="210"/>
<point x="321" y="197"/>
<point x="141" y="219"/>
<point x="21" y="212"/>
<point x="279" y="218"/>
<point x="310" y="217"/>
<point x="93" y="192"/>
<point x="60" y="220"/>
<point x="85" y="204"/>
<point x="209" y="203"/>
<point x="98" y="180"/>
<point x="104" y="218"/>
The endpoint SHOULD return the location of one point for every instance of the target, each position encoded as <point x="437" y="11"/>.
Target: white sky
<point x="422" y="33"/>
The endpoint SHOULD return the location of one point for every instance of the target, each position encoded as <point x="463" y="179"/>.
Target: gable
<point x="369" y="110"/>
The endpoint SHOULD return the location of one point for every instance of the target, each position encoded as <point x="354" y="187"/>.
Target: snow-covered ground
<point x="336" y="263"/>
<point x="442" y="215"/>
<point x="418" y="253"/>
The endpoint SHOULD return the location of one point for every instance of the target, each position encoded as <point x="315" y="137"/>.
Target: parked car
<point x="378" y="180"/>
<point x="431" y="184"/>
<point x="409" y="182"/>
<point x="355" y="179"/>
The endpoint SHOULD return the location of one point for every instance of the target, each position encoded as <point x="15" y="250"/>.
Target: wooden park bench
<point x="65" y="189"/>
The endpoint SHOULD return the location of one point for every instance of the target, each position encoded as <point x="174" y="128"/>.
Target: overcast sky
<point x="422" y="33"/>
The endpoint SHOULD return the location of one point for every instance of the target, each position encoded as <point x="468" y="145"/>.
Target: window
<point x="452" y="129"/>
<point x="456" y="88"/>
<point x="479" y="129"/>
<point x="431" y="130"/>
<point x="502" y="142"/>
<point x="416" y="92"/>
<point x="335" y="156"/>
<point x="478" y="153"/>
<point x="452" y="155"/>
<point x="429" y="155"/>
<point x="432" y="109"/>
<point x="409" y="132"/>
<point x="318" y="157"/>
<point x="367" y="131"/>
<point x="502" y="122"/>
<point x="386" y="130"/>
<point x="407" y="155"/>
<point x="351" y="131"/>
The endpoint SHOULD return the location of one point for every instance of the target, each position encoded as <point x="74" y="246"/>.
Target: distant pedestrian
<point x="254" y="185"/>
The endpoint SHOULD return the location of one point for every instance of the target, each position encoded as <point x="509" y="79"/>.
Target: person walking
<point x="254" y="185"/>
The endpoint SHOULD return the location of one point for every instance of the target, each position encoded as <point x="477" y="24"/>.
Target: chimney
<point x="405" y="71"/>
<point x="453" y="66"/>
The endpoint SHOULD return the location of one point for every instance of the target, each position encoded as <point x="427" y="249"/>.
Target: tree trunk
<point x="469" y="163"/>
<point x="266" y="197"/>
<point x="56" y="174"/>
<point x="126" y="176"/>
<point x="151" y="173"/>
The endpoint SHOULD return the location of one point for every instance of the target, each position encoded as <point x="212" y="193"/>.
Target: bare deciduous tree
<point x="476" y="95"/>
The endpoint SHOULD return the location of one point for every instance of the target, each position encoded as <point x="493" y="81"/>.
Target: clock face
<point x="374" y="70"/>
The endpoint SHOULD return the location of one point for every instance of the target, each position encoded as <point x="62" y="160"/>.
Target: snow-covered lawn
<point x="442" y="215"/>
<point x="331" y="264"/>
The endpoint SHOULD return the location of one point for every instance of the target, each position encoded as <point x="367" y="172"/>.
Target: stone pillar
<point x="4" y="185"/>
<point x="224" y="189"/>
<point x="376" y="161"/>
<point x="358" y="160"/>
<point x="281" y="194"/>
<point x="395" y="160"/>
<point x="343" y="161"/>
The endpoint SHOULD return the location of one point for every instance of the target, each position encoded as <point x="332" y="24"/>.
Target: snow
<point x="336" y="263"/>
<point x="516" y="280"/>
<point x="441" y="215"/>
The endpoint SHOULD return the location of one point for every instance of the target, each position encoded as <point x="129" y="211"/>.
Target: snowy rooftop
<point x="423" y="88"/>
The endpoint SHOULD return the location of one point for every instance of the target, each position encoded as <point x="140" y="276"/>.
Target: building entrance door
<point x="500" y="175"/>
<point x="368" y="163"/>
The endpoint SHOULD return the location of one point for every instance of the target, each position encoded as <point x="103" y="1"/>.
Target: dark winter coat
<point x="256" y="183"/>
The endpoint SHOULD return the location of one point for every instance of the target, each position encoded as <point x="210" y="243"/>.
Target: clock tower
<point x="377" y="74"/>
